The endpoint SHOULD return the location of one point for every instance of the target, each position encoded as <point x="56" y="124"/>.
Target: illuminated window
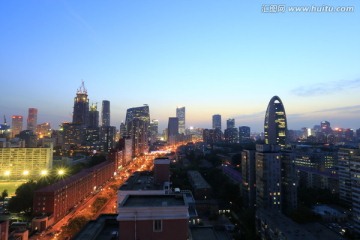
<point x="157" y="224"/>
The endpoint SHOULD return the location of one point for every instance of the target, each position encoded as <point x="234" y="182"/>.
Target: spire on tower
<point x="82" y="89"/>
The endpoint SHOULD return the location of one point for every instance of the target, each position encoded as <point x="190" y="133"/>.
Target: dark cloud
<point x="353" y="109"/>
<point x="326" y="88"/>
<point x="247" y="116"/>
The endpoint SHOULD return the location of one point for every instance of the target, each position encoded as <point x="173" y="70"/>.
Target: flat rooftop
<point x="197" y="180"/>
<point x="153" y="201"/>
<point x="140" y="181"/>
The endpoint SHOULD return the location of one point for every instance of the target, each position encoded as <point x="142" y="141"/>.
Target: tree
<point x="4" y="194"/>
<point x="23" y="201"/>
<point x="75" y="225"/>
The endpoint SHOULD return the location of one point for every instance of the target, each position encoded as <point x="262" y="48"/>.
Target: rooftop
<point x="197" y="180"/>
<point x="153" y="201"/>
<point x="140" y="181"/>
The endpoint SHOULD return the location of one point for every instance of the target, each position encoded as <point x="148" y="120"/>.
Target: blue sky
<point x="213" y="57"/>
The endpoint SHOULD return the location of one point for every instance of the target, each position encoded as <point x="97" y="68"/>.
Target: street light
<point x="61" y="172"/>
<point x="44" y="173"/>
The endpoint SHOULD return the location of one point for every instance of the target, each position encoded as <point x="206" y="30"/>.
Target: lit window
<point x="157" y="225"/>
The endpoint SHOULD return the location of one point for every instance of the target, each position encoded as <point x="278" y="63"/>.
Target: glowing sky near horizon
<point x="211" y="56"/>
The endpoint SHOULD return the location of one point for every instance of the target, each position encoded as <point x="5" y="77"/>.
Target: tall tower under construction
<point x="81" y="106"/>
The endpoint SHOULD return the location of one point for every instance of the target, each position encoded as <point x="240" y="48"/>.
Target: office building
<point x="275" y="125"/>
<point x="231" y="135"/>
<point x="72" y="135"/>
<point x="137" y="125"/>
<point x="81" y="107"/>
<point x="29" y="137"/>
<point x="211" y="136"/>
<point x="141" y="113"/>
<point x="43" y="130"/>
<point x="230" y="123"/>
<point x="93" y="116"/>
<point x="154" y="130"/>
<point x="244" y="134"/>
<point x="16" y="125"/>
<point x="105" y="113"/>
<point x="216" y="121"/>
<point x="107" y="138"/>
<point x="325" y="127"/>
<point x="122" y="130"/>
<point x="180" y="114"/>
<point x="173" y="130"/>
<point x="32" y="119"/>
<point x="138" y="130"/>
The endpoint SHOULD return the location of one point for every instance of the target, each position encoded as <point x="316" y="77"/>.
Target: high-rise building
<point x="93" y="116"/>
<point x="325" y="127"/>
<point x="244" y="134"/>
<point x="216" y="121"/>
<point x="349" y="189"/>
<point x="230" y="123"/>
<point x="154" y="130"/>
<point x="142" y="113"/>
<point x="180" y="114"/>
<point x="107" y="137"/>
<point x="43" y="130"/>
<point x="105" y="113"/>
<point x="32" y="119"/>
<point x="275" y="126"/>
<point x="268" y="177"/>
<point x="231" y="135"/>
<point x="137" y="125"/>
<point x="72" y="135"/>
<point x="173" y="130"/>
<point x="248" y="187"/>
<point x="16" y="125"/>
<point x="122" y="130"/>
<point x="81" y="107"/>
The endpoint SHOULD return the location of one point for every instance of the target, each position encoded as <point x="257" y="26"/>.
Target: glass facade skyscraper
<point x="32" y="119"/>
<point x="180" y="114"/>
<point x="216" y="121"/>
<point x="105" y="113"/>
<point x="275" y="126"/>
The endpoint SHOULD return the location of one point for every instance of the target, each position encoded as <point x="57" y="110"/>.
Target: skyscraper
<point x="275" y="126"/>
<point x="154" y="130"/>
<point x="16" y="125"/>
<point x="93" y="116"/>
<point x="230" y="123"/>
<point x="180" y="114"/>
<point x="244" y="134"/>
<point x="105" y="113"/>
<point x="32" y="119"/>
<point x="216" y="121"/>
<point x="173" y="130"/>
<point x="137" y="125"/>
<point x="268" y="176"/>
<point x="142" y="113"/>
<point x="81" y="107"/>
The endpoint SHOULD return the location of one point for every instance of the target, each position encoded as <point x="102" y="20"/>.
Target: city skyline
<point x="209" y="56"/>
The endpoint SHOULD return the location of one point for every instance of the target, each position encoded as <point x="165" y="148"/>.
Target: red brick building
<point x="153" y="217"/>
<point x="57" y="200"/>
